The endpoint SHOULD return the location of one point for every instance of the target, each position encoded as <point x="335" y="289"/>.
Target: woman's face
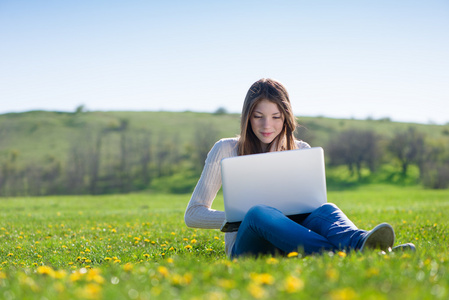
<point x="267" y="122"/>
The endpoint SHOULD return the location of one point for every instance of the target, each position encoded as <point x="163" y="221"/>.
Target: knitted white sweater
<point x="199" y="213"/>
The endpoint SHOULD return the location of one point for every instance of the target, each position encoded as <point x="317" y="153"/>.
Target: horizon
<point x="384" y="119"/>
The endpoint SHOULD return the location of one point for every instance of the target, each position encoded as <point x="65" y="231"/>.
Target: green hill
<point x="52" y="146"/>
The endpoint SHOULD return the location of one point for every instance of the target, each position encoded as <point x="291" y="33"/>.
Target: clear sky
<point x="343" y="59"/>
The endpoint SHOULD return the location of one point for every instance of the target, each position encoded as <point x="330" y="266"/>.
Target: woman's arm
<point x="199" y="213"/>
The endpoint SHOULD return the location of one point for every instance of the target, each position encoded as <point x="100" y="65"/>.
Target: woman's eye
<point x="257" y="117"/>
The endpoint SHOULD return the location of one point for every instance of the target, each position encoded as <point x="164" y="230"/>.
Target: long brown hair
<point x="273" y="91"/>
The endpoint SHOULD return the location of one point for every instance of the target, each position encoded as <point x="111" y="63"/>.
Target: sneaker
<point x="381" y="237"/>
<point x="404" y="247"/>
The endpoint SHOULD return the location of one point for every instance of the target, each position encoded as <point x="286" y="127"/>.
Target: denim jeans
<point x="266" y="230"/>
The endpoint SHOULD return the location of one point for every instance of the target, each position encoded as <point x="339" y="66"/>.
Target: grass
<point x="137" y="247"/>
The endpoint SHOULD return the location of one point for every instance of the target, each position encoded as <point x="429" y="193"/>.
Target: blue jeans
<point x="266" y="230"/>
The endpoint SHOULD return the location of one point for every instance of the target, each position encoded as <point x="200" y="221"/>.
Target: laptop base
<point x="234" y="226"/>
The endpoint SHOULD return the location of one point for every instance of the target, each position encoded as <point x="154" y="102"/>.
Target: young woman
<point x="268" y="124"/>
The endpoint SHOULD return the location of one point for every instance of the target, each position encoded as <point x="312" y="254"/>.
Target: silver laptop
<point x="292" y="181"/>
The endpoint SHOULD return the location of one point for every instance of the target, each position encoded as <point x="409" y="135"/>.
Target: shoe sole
<point x="381" y="237"/>
<point x="404" y="247"/>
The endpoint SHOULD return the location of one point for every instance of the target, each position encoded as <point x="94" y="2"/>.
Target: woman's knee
<point x="259" y="211"/>
<point x="326" y="208"/>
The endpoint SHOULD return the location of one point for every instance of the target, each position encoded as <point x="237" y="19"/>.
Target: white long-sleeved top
<point x="199" y="213"/>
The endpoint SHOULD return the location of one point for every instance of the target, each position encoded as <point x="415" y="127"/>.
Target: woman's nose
<point x="266" y="123"/>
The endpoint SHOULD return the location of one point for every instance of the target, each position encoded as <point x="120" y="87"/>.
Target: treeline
<point x="111" y="160"/>
<point x="121" y="159"/>
<point x="366" y="150"/>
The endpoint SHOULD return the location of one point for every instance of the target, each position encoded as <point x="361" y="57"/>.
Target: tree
<point x="205" y="137"/>
<point x="355" y="149"/>
<point x="408" y="147"/>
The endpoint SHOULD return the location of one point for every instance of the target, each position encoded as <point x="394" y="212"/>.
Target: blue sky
<point x="341" y="59"/>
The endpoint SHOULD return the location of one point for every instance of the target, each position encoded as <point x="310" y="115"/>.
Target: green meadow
<point x="136" y="246"/>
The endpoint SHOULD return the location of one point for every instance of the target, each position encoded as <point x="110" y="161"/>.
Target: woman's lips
<point x="266" y="134"/>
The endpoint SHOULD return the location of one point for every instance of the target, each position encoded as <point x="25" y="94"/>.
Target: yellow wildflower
<point x="343" y="294"/>
<point x="45" y="270"/>
<point x="128" y="267"/>
<point x="95" y="276"/>
<point x="256" y="291"/>
<point x="91" y="291"/>
<point x="293" y="284"/>
<point x="341" y="254"/>
<point x="163" y="271"/>
<point x="293" y="254"/>
<point x="263" y="278"/>
<point x="272" y="261"/>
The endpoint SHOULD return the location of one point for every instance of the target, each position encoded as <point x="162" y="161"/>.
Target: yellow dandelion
<point x="188" y="247"/>
<point x="146" y="240"/>
<point x="146" y="255"/>
<point x="107" y="259"/>
<point x="171" y="249"/>
<point x="216" y="238"/>
<point x="293" y="284"/>
<point x="341" y="254"/>
<point x="227" y="283"/>
<point x="10" y="254"/>
<point x="343" y="294"/>
<point x="272" y="261"/>
<point x="75" y="276"/>
<point x="91" y="291"/>
<point x="262" y="278"/>
<point x="163" y="271"/>
<point x="332" y="274"/>
<point x="94" y="275"/>
<point x="187" y="277"/>
<point x="173" y="233"/>
<point x="128" y="267"/>
<point x="256" y="291"/>
<point x="193" y="241"/>
<point x="59" y="274"/>
<point x="293" y="254"/>
<point x="45" y="270"/>
<point x="113" y="230"/>
<point x="170" y="260"/>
